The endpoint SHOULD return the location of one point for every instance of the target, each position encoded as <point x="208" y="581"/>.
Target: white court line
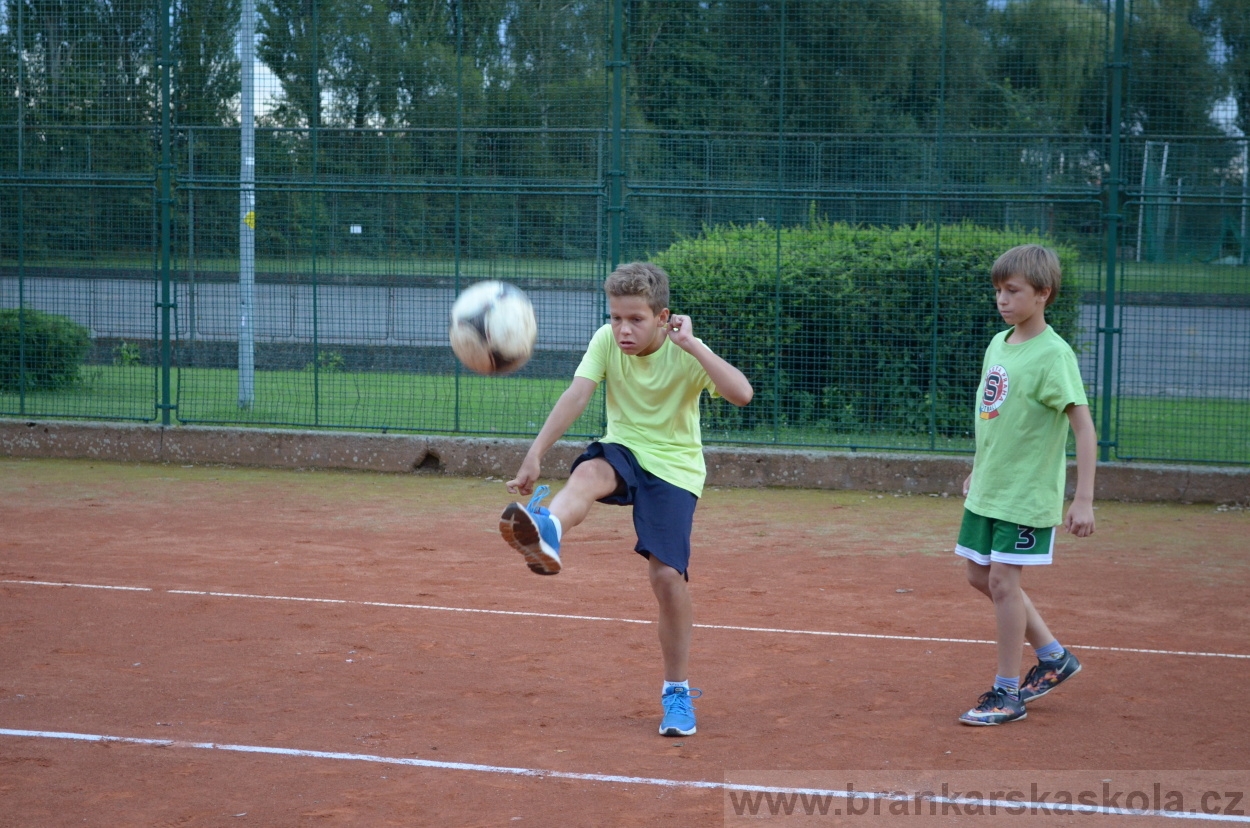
<point x="770" y="630"/>
<point x="1042" y="807"/>
<point x="402" y="606"/>
<point x="81" y="586"/>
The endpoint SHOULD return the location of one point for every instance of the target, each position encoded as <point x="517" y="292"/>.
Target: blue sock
<point x="1051" y="652"/>
<point x="1011" y="685"/>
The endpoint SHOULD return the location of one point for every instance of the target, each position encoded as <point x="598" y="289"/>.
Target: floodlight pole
<point x="247" y="205"/>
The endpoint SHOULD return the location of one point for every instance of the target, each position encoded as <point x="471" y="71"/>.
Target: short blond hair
<point x="1039" y="266"/>
<point x="640" y="279"/>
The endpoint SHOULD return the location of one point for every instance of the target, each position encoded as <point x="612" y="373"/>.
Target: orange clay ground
<point x="363" y="649"/>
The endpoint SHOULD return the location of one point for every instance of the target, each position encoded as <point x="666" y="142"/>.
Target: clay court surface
<point x="309" y="648"/>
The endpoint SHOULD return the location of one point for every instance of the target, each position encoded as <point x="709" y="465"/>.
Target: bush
<point x="127" y="355"/>
<point x="55" y="347"/>
<point x="835" y="327"/>
<point x="329" y="362"/>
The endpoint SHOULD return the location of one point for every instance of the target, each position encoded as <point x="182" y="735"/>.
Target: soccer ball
<point x="493" y="328"/>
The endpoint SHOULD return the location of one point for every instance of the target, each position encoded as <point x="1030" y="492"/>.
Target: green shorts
<point x="982" y="540"/>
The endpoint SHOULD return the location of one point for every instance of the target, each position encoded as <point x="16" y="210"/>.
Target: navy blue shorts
<point x="663" y="513"/>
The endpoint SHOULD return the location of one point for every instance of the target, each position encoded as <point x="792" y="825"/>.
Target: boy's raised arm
<point x="730" y="382"/>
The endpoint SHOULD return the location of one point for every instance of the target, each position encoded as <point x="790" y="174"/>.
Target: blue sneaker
<point x="1047" y="675"/>
<point x="994" y="708"/>
<point x="678" y="711"/>
<point x="531" y="531"/>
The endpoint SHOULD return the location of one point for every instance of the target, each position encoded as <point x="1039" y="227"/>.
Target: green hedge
<point x="55" y="347"/>
<point x="835" y="324"/>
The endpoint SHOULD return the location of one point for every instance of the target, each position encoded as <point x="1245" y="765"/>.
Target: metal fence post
<point x="616" y="166"/>
<point x="314" y="127"/>
<point x="21" y="215"/>
<point x="1245" y="199"/>
<point x="166" y="200"/>
<point x="455" y="252"/>
<point x="778" y="294"/>
<point x="1112" y="222"/>
<point x="937" y="237"/>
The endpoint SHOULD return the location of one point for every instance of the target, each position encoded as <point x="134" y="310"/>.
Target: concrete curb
<point x="485" y="456"/>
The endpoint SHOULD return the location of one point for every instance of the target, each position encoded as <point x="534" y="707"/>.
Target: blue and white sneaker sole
<point x="993" y="720"/>
<point x="677" y="731"/>
<point x="518" y="528"/>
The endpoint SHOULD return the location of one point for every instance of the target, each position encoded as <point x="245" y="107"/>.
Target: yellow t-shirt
<point x="652" y="406"/>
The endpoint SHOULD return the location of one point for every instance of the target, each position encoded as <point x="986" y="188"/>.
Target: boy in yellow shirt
<point x="650" y="457"/>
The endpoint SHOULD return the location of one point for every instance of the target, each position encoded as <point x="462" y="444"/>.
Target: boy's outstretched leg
<point x="676" y="621"/>
<point x="536" y="531"/>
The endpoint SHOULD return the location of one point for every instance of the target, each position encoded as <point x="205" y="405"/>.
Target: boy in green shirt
<point x="1031" y="392"/>
<point x="651" y="457"/>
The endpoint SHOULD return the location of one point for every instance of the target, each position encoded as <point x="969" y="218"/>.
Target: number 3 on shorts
<point x="1027" y="540"/>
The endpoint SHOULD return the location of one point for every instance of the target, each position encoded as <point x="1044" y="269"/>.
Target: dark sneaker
<point x="994" y="708"/>
<point x="678" y="711"/>
<point x="531" y="531"/>
<point x="1047" y="675"/>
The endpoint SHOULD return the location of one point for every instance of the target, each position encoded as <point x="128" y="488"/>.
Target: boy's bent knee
<point x="596" y="477"/>
<point x="594" y="469"/>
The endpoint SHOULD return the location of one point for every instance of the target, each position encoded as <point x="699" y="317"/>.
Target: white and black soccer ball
<point x="493" y="328"/>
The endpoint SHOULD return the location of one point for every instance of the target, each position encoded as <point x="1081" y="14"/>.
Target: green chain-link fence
<point x="195" y="232"/>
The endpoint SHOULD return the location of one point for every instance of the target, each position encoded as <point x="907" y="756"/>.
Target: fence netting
<point x="259" y="212"/>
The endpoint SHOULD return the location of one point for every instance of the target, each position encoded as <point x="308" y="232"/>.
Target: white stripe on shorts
<point x="1035" y="559"/>
<point x="972" y="554"/>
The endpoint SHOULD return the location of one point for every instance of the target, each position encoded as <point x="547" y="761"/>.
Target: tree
<point x="1049" y="68"/>
<point x="206" y="66"/>
<point x="84" y="60"/>
<point x="86" y="63"/>
<point x="686" y="67"/>
<point x="292" y="43"/>
<point x="1174" y="81"/>
<point x="1229" y="21"/>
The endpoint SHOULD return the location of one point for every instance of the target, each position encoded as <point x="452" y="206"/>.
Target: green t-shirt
<point x="1022" y="429"/>
<point x="652" y="406"/>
